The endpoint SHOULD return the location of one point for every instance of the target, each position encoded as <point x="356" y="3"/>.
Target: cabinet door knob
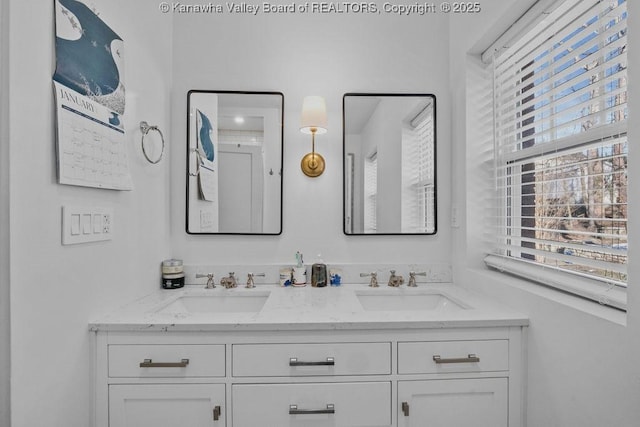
<point x="405" y="409"/>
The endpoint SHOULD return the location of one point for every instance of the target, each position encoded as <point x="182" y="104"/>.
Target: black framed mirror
<point x="389" y="143"/>
<point x="234" y="162"/>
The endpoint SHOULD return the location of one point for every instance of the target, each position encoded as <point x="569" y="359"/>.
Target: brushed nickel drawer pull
<point x="293" y="361"/>
<point x="472" y="358"/>
<point x="293" y="410"/>
<point x="148" y="363"/>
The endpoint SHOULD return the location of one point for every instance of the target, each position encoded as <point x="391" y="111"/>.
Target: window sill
<point x="553" y="295"/>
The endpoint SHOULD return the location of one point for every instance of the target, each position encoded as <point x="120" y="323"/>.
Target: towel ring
<point x="145" y="128"/>
<point x="199" y="157"/>
<point x="197" y="172"/>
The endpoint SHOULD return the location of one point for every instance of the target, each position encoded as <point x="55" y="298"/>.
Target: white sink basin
<point x="426" y="301"/>
<point x="220" y="303"/>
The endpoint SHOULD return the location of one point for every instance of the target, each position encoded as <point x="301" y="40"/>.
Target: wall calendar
<point x="90" y="100"/>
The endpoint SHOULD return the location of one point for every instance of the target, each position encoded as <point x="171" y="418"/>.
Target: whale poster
<point x="90" y="99"/>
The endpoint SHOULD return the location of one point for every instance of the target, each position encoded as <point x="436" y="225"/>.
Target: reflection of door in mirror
<point x="389" y="147"/>
<point x="240" y="190"/>
<point x="241" y="150"/>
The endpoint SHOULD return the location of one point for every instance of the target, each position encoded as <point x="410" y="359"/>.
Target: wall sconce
<point x="314" y="121"/>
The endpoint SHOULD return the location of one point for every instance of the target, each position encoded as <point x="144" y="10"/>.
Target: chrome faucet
<point x="412" y="278"/>
<point x="395" y="281"/>
<point x="209" y="276"/>
<point x="229" y="282"/>
<point x="374" y="278"/>
<point x="250" y="277"/>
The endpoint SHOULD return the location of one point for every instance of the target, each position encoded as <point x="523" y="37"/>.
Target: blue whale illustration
<point x="86" y="65"/>
<point x="205" y="136"/>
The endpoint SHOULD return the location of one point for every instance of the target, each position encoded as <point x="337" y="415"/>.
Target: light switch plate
<point x="455" y="223"/>
<point x="82" y="224"/>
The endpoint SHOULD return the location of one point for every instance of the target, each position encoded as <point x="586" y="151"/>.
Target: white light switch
<point x="206" y="220"/>
<point x="97" y="223"/>
<point x="82" y="224"/>
<point x="86" y="223"/>
<point x="75" y="224"/>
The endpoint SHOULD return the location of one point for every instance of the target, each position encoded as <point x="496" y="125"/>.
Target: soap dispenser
<point x="319" y="274"/>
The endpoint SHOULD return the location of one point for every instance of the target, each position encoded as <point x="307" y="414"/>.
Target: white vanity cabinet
<point x="166" y="405"/>
<point x="358" y="394"/>
<point x="454" y="403"/>
<point x="481" y="399"/>
<point x="317" y="377"/>
<point x="159" y="382"/>
<point x="354" y="404"/>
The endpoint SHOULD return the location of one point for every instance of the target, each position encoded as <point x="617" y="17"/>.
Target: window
<point x="560" y="150"/>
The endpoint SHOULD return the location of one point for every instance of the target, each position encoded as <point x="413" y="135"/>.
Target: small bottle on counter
<point x="172" y="274"/>
<point x="299" y="271"/>
<point x="286" y="276"/>
<point x="319" y="274"/>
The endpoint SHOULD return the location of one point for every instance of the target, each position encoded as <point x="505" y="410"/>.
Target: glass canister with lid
<point x="172" y="274"/>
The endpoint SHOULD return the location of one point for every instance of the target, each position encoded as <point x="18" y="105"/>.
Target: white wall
<point x="4" y="216"/>
<point x="582" y="358"/>
<point x="299" y="55"/>
<point x="56" y="290"/>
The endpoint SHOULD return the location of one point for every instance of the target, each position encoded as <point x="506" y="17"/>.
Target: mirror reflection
<point x="234" y="183"/>
<point x="389" y="161"/>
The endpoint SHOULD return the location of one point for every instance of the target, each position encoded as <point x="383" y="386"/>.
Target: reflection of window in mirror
<point x="390" y="164"/>
<point x="418" y="171"/>
<point x="370" y="192"/>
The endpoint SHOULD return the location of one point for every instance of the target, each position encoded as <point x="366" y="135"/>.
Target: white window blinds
<point x="418" y="173"/>
<point x="560" y="114"/>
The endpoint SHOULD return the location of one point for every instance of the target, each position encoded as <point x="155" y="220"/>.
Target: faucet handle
<point x="374" y="278"/>
<point x="250" y="276"/>
<point x="209" y="276"/>
<point x="412" y="278"/>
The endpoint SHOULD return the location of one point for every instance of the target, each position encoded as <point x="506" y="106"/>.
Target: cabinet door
<point x="167" y="405"/>
<point x="453" y="403"/>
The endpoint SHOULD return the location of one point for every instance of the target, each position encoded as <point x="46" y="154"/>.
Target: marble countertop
<point x="308" y="308"/>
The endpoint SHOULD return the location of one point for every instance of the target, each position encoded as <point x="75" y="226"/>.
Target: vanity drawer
<point x="274" y="360"/>
<point x="317" y="404"/>
<point x="148" y="361"/>
<point x="453" y="356"/>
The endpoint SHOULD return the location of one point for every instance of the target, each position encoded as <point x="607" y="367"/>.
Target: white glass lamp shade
<point x="314" y="115"/>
